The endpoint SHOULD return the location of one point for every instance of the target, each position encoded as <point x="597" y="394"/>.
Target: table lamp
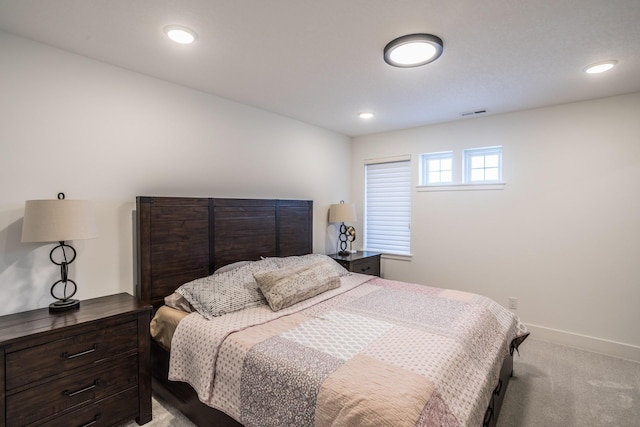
<point x="59" y="221"/>
<point x="343" y="212"/>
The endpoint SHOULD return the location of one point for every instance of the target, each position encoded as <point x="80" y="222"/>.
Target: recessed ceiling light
<point x="413" y="50"/>
<point x="600" y="67"/>
<point x="179" y="34"/>
<point x="366" y="116"/>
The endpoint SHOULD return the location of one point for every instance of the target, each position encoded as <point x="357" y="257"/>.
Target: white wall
<point x="98" y="132"/>
<point x="563" y="236"/>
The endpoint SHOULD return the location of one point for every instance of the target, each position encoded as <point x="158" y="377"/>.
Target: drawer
<point x="39" y="362"/>
<point x="369" y="265"/>
<point x="79" y="388"/>
<point x="103" y="413"/>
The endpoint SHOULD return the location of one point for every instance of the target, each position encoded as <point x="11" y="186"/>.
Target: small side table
<point x="360" y="262"/>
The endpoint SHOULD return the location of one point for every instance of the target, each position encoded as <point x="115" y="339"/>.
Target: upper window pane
<point x="491" y="161"/>
<point x="477" y="162"/>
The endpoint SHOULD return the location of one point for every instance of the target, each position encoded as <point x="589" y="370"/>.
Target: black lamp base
<point x="64" y="305"/>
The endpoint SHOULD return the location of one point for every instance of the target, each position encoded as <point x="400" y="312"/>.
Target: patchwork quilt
<point x="372" y="352"/>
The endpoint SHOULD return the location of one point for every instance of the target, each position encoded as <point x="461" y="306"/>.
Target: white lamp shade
<point x="342" y="212"/>
<point x="58" y="220"/>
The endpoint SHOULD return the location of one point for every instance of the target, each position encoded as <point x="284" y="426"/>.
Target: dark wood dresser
<point x="84" y="367"/>
<point x="360" y="262"/>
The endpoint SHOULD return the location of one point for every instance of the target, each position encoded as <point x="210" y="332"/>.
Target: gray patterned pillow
<point x="299" y="261"/>
<point x="287" y="286"/>
<point x="228" y="291"/>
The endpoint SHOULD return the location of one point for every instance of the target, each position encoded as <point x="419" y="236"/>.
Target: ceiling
<point x="320" y="61"/>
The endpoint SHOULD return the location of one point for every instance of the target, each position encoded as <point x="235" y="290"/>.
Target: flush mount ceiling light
<point x="366" y="115"/>
<point x="179" y="34"/>
<point x="413" y="50"/>
<point x="600" y="67"/>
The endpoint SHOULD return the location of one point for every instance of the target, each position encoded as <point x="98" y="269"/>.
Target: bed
<point x="319" y="360"/>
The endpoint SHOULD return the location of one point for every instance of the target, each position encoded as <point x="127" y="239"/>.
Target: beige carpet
<point x="553" y="385"/>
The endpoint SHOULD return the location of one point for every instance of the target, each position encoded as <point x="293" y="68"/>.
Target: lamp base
<point x="64" y="305"/>
<point x="344" y="253"/>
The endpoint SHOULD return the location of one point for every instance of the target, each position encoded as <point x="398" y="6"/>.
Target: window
<point x="387" y="209"/>
<point x="436" y="168"/>
<point x="483" y="165"/>
<point x="462" y="170"/>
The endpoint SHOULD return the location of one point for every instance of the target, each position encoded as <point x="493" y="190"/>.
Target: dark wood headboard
<point x="180" y="239"/>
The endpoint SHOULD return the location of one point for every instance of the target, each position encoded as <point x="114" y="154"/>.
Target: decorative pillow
<point x="298" y="261"/>
<point x="177" y="301"/>
<point x="226" y="292"/>
<point x="287" y="286"/>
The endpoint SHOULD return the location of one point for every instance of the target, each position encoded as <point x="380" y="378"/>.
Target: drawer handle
<point x="66" y="355"/>
<point x="366" y="269"/>
<point x="68" y="393"/>
<point x="90" y="423"/>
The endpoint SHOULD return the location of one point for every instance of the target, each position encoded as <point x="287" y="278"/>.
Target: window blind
<point x="387" y="210"/>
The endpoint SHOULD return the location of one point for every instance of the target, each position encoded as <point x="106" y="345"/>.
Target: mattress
<point x="164" y="324"/>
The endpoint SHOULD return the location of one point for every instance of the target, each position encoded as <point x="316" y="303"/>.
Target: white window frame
<point x="475" y="153"/>
<point x="461" y="179"/>
<point x="426" y="172"/>
<point x="387" y="206"/>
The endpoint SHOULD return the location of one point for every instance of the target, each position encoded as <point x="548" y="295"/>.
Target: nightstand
<point x="89" y="366"/>
<point x="360" y="262"/>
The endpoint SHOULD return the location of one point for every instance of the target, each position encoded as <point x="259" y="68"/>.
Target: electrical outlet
<point x="513" y="303"/>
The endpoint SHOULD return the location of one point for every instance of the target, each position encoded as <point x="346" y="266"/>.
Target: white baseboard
<point x="585" y="342"/>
